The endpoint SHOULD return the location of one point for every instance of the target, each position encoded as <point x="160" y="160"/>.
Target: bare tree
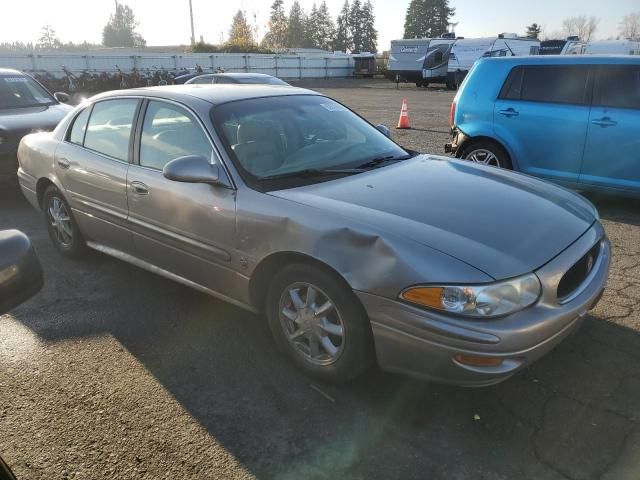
<point x="582" y="27"/>
<point x="630" y="26"/>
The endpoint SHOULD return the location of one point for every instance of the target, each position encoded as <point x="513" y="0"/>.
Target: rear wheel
<point x="487" y="153"/>
<point x="61" y="225"/>
<point x="318" y="322"/>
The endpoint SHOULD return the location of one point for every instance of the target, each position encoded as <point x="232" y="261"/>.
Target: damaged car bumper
<point x="474" y="352"/>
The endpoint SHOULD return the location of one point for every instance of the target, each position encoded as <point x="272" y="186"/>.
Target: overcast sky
<point x="166" y="22"/>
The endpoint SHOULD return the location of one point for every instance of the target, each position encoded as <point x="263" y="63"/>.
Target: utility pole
<point x="193" y="35"/>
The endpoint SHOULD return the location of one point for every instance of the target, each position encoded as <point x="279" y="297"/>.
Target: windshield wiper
<point x="314" y="173"/>
<point x="374" y="162"/>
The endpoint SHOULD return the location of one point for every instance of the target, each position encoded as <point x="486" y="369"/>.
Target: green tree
<point x="296" y="36"/>
<point x="276" y="37"/>
<point x="533" y="31"/>
<point x="427" y="18"/>
<point x="120" y="30"/>
<point x="48" y="38"/>
<point x="240" y="33"/>
<point x="369" y="32"/>
<point x="320" y="29"/>
<point x="355" y="24"/>
<point x="343" y="40"/>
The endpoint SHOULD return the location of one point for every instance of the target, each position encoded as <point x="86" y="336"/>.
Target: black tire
<point x="73" y="247"/>
<point x="500" y="154"/>
<point x="356" y="343"/>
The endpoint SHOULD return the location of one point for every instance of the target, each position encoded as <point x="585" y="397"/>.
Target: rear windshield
<point x="19" y="91"/>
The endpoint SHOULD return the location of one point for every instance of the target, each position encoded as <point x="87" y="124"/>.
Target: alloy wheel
<point x="484" y="157"/>
<point x="60" y="221"/>
<point x="312" y="324"/>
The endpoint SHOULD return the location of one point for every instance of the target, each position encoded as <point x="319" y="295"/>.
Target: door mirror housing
<point x="385" y="130"/>
<point x="193" y="169"/>
<point x="20" y="270"/>
<point x="62" y="97"/>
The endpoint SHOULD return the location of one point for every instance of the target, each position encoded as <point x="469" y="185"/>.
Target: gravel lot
<point x="112" y="372"/>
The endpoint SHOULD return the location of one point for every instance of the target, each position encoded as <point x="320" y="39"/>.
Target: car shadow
<point x="572" y="414"/>
<point x="617" y="209"/>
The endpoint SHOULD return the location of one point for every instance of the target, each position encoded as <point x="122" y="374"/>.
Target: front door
<point x="612" y="151"/>
<point x="542" y="114"/>
<point x="187" y="229"/>
<point x="92" y="166"/>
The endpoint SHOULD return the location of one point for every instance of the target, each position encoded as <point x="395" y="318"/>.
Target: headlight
<point x="484" y="301"/>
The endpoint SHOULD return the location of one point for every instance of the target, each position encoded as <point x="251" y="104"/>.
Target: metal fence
<point x="283" y="66"/>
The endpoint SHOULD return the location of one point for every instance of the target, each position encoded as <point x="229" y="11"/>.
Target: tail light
<point x="452" y="114"/>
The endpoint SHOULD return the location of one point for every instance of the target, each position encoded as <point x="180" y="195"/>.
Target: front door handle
<point x="604" y="122"/>
<point x="63" y="163"/>
<point x="509" y="112"/>
<point x="139" y="188"/>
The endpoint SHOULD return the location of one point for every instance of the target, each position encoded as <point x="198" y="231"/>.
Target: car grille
<point x="578" y="273"/>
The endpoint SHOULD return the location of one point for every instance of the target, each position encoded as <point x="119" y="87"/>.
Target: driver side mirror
<point x="385" y="130"/>
<point x="20" y="270"/>
<point x="62" y="97"/>
<point x="193" y="169"/>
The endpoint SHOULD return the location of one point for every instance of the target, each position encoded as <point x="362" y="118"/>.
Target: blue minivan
<point x="571" y="119"/>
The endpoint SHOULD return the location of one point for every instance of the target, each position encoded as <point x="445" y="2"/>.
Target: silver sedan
<point x="285" y="202"/>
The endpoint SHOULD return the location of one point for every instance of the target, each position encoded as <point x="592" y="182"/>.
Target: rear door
<point x="92" y="165"/>
<point x="187" y="229"/>
<point x="612" y="152"/>
<point x="541" y="115"/>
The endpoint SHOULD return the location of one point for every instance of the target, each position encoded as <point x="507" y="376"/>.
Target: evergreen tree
<point x="533" y="31"/>
<point x="120" y="30"/>
<point x="369" y="32"/>
<point x="276" y="37"/>
<point x="343" y="40"/>
<point x="296" y="26"/>
<point x="321" y="30"/>
<point x="427" y="18"/>
<point x="355" y="24"/>
<point x="240" y="33"/>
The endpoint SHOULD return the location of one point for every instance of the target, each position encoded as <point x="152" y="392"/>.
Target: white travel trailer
<point x="613" y="47"/>
<point x="466" y="51"/>
<point x="570" y="46"/>
<point x="419" y="60"/>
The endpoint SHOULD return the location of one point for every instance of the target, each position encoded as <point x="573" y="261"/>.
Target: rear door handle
<point x="139" y="188"/>
<point x="63" y="163"/>
<point x="509" y="112"/>
<point x="604" y="122"/>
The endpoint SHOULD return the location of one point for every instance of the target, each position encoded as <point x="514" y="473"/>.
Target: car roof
<point x="567" y="60"/>
<point x="214" y="94"/>
<point x="10" y="71"/>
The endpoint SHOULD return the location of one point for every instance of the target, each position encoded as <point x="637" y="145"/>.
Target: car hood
<point x="44" y="117"/>
<point x="503" y="223"/>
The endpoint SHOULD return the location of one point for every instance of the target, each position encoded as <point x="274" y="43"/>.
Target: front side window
<point x="618" y="87"/>
<point x="548" y="84"/>
<point x="109" y="127"/>
<point x="20" y="91"/>
<point x="169" y="132"/>
<point x="76" y="135"/>
<point x="281" y="136"/>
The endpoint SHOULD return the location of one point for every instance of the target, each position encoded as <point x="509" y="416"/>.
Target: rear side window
<point x="618" y="87"/>
<point x="109" y="127"/>
<point x="548" y="84"/>
<point x="76" y="135"/>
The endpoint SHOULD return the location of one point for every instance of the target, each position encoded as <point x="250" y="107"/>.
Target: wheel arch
<point x="270" y="265"/>
<point x="470" y="141"/>
<point x="41" y="186"/>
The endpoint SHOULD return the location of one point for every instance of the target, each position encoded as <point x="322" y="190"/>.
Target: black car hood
<point x="503" y="223"/>
<point x="23" y="120"/>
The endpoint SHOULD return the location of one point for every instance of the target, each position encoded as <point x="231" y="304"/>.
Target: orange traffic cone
<point x="403" y="121"/>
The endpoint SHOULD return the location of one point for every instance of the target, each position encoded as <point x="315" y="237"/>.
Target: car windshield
<point x="19" y="91"/>
<point x="299" y="136"/>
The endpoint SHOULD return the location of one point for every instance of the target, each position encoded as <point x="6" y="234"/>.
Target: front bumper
<point x="421" y="343"/>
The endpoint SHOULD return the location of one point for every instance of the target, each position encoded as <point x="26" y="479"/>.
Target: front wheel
<point x="487" y="153"/>
<point x="318" y="322"/>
